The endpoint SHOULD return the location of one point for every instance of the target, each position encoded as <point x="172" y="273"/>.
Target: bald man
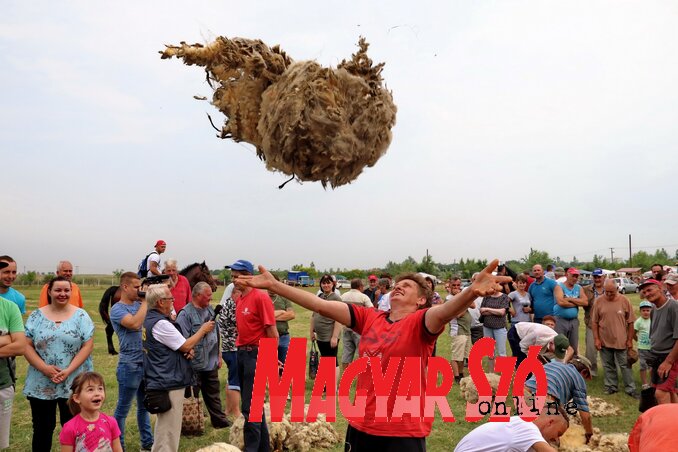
<point x="64" y="269"/>
<point x="612" y="326"/>
<point x="541" y="292"/>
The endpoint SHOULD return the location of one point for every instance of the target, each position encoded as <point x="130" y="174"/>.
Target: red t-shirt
<point x="181" y="293"/>
<point x="655" y="429"/>
<point x="384" y="338"/>
<point x="253" y="313"/>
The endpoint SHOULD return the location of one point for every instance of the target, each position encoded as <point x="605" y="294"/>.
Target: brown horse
<point x="195" y="273"/>
<point x="198" y="272"/>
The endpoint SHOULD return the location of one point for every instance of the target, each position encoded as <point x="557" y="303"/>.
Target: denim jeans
<point x="499" y="335"/>
<point x="130" y="384"/>
<point x="283" y="345"/>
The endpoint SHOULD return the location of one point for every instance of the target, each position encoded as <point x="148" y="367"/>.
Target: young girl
<point x="89" y="430"/>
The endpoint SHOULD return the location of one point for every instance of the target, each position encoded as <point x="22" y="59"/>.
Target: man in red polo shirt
<point x="255" y="319"/>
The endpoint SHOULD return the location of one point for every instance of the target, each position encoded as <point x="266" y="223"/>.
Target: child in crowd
<point x="642" y="335"/>
<point x="89" y="430"/>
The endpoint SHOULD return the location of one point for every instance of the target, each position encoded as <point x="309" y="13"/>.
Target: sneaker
<point x="633" y="394"/>
<point x="610" y="391"/>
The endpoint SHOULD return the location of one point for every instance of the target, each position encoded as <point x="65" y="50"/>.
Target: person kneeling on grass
<point x="517" y="434"/>
<point x="409" y="329"/>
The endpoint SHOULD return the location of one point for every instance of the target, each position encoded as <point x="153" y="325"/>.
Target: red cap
<point x="572" y="271"/>
<point x="648" y="282"/>
<point x="373" y="278"/>
<point x="160" y="243"/>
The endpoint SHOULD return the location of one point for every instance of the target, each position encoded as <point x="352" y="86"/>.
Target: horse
<point x="194" y="273"/>
<point x="110" y="297"/>
<point x="198" y="272"/>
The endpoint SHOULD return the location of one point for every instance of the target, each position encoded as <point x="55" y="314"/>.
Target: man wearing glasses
<point x="592" y="292"/>
<point x="569" y="296"/>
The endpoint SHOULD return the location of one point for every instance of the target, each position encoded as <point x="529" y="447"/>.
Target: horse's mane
<point x="185" y="271"/>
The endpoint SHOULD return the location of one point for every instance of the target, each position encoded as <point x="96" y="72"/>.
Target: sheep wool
<point x="469" y="391"/>
<point x="219" y="447"/>
<point x="307" y="121"/>
<point x="291" y="436"/>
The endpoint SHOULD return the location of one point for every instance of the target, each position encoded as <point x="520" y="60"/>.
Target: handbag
<point x="313" y="361"/>
<point x="192" y="418"/>
<point x="157" y="401"/>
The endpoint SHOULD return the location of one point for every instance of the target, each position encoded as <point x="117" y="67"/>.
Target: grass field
<point x="443" y="437"/>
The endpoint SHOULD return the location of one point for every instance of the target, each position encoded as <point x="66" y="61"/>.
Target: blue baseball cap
<point x="645" y="304"/>
<point x="597" y="272"/>
<point x="242" y="266"/>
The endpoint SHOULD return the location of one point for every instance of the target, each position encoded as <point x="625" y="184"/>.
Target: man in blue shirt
<point x="541" y="292"/>
<point x="565" y="383"/>
<point x="7" y="277"/>
<point x="127" y="318"/>
<point x="569" y="296"/>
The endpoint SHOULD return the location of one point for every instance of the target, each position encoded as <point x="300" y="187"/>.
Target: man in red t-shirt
<point x="254" y="319"/>
<point x="409" y="329"/>
<point x="179" y="285"/>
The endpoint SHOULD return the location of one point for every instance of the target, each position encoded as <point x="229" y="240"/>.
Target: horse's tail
<point x="105" y="303"/>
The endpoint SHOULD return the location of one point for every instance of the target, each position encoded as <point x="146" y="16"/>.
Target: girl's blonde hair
<point x="79" y="383"/>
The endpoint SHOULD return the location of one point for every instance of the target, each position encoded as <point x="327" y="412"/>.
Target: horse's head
<point x="207" y="276"/>
<point x="196" y="273"/>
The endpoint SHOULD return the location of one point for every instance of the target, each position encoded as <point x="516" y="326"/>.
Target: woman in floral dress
<point x="60" y="342"/>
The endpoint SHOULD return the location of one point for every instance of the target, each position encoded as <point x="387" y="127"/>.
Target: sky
<point x="521" y="124"/>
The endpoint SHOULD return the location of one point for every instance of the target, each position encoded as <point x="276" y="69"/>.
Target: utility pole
<point x="630" y="254"/>
<point x="612" y="255"/>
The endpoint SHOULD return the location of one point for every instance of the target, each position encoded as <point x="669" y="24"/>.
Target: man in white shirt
<point x="517" y="435"/>
<point x="153" y="259"/>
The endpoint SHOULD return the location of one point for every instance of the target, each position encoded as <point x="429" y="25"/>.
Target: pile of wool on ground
<point x="291" y="436"/>
<point x="600" y="407"/>
<point x="219" y="447"/>
<point x="574" y="441"/>
<point x="469" y="391"/>
<point x="307" y="121"/>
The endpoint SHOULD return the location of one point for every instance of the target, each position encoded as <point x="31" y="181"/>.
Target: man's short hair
<point x="356" y="283"/>
<point x="548" y="317"/>
<point x="424" y="288"/>
<point x="199" y="287"/>
<point x="455" y="278"/>
<point x="154" y="293"/>
<point x="384" y="282"/>
<point x="6" y="259"/>
<point x="171" y="262"/>
<point x="128" y="277"/>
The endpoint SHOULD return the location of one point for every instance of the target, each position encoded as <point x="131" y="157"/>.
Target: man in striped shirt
<point x="565" y="384"/>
